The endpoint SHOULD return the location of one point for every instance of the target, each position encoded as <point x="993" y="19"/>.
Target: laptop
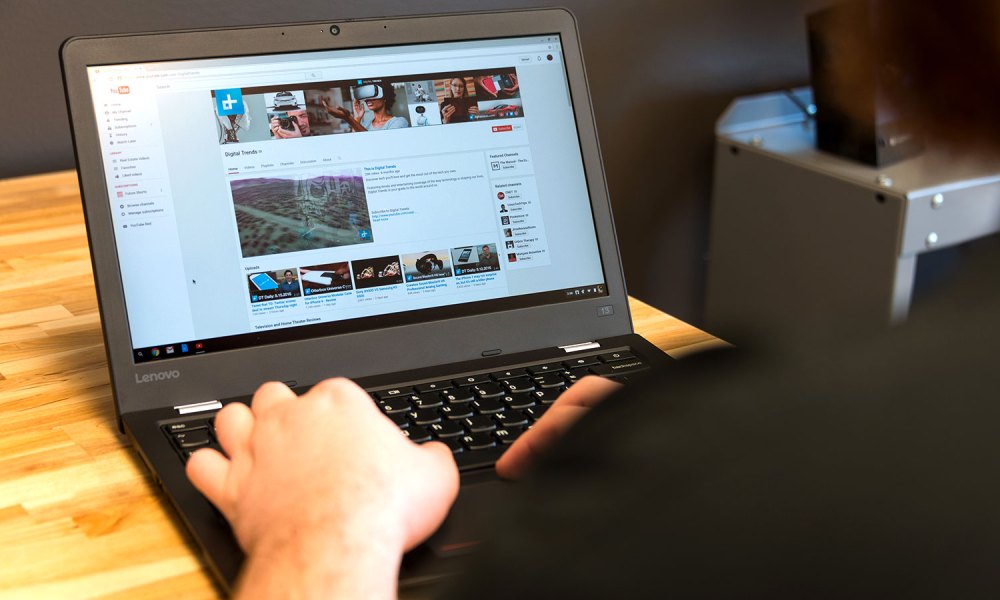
<point x="415" y="203"/>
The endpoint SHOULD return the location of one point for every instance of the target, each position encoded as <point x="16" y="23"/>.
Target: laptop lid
<point x="339" y="198"/>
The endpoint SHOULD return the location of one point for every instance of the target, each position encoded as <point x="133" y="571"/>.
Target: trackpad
<point x="469" y="520"/>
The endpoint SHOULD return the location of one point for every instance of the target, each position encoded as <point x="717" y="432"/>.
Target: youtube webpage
<point x="341" y="192"/>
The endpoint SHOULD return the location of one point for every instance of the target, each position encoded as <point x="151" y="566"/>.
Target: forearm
<point x="304" y="565"/>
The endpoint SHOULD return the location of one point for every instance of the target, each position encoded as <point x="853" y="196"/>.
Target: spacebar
<point x="478" y="459"/>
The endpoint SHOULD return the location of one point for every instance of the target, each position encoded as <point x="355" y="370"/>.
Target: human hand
<point x="336" y="111"/>
<point x="325" y="472"/>
<point x="564" y="412"/>
<point x="513" y="88"/>
<point x="447" y="112"/>
<point x="280" y="132"/>
<point x="359" y="110"/>
<point x="482" y="85"/>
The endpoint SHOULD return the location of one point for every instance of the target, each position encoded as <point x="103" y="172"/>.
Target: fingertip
<point x="208" y="469"/>
<point x="269" y="394"/>
<point x="510" y="466"/>
<point x="233" y="426"/>
<point x="443" y="458"/>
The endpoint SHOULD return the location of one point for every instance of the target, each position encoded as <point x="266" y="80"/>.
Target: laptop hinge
<point x="580" y="346"/>
<point x="186" y="409"/>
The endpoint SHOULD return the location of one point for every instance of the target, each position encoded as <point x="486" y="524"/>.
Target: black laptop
<point x="415" y="203"/>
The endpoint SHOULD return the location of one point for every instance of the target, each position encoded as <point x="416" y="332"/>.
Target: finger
<point x="270" y="395"/>
<point x="335" y="386"/>
<point x="517" y="460"/>
<point x="339" y="388"/>
<point x="208" y="471"/>
<point x="436" y="487"/>
<point x="587" y="392"/>
<point x="233" y="426"/>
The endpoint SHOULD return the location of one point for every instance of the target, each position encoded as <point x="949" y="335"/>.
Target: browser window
<point x="262" y="199"/>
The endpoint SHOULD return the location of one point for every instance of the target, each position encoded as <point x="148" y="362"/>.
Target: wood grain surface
<point x="79" y="514"/>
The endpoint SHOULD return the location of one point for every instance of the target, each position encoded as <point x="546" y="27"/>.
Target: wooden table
<point x="79" y="515"/>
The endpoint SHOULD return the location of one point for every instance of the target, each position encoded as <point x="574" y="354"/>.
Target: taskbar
<point x="248" y="340"/>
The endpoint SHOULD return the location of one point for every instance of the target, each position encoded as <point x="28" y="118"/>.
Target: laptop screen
<point x="263" y="199"/>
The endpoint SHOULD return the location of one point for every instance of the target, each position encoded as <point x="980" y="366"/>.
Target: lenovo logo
<point x="159" y="376"/>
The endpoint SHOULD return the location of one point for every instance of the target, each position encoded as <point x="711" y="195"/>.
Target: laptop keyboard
<point x="477" y="415"/>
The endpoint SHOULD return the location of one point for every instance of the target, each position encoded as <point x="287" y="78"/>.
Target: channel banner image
<point x="278" y="284"/>
<point x="422" y="266"/>
<point x="498" y="95"/>
<point x="481" y="258"/>
<point x="325" y="279"/>
<point x="286" y="114"/>
<point x="377" y="272"/>
<point x="311" y="109"/>
<point x="310" y="211"/>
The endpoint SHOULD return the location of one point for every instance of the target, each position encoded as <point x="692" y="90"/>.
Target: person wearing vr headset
<point x="371" y="105"/>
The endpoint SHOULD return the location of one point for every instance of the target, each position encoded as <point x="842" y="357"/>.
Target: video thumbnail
<point x="274" y="285"/>
<point x="307" y="212"/>
<point x="426" y="265"/>
<point x="469" y="260"/>
<point x="325" y="279"/>
<point x="376" y="272"/>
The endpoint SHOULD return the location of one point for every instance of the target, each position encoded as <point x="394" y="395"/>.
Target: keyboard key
<point x="400" y="420"/>
<point x="546" y="368"/>
<point x="509" y="435"/>
<point x="511" y="418"/>
<point x="455" y="443"/>
<point x="458" y="396"/>
<point x="479" y="459"/>
<point x="521" y="384"/>
<point x="395" y="405"/>
<point x="427" y="400"/>
<point x="478" y="441"/>
<point x="619" y="368"/>
<point x="550" y="380"/>
<point x="574" y="375"/>
<point x="192" y="438"/>
<point x="616" y="356"/>
<point x="424" y="416"/>
<point x="546" y="396"/>
<point x="488" y="390"/>
<point x="393" y="393"/>
<point x="436" y="386"/>
<point x="447" y="429"/>
<point x="583" y="361"/>
<point x="471" y="379"/>
<point x="509" y="374"/>
<point x="418" y="434"/>
<point x="536" y="412"/>
<point x="479" y="423"/>
<point x="453" y="412"/>
<point x="185" y="426"/>
<point x="519" y="401"/>
<point x="488" y="406"/>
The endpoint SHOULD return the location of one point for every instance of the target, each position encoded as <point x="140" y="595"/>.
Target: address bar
<point x="272" y="69"/>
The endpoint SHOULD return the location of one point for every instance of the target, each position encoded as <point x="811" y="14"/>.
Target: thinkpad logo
<point x="158" y="376"/>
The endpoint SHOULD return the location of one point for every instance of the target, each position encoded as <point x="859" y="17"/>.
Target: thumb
<point x="434" y="489"/>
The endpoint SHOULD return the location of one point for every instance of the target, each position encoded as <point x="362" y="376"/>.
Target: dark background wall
<point x="661" y="72"/>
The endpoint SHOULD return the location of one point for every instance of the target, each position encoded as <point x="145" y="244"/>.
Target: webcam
<point x="334" y="29"/>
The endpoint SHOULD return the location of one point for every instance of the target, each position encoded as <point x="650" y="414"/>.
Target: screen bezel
<point x="358" y="354"/>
